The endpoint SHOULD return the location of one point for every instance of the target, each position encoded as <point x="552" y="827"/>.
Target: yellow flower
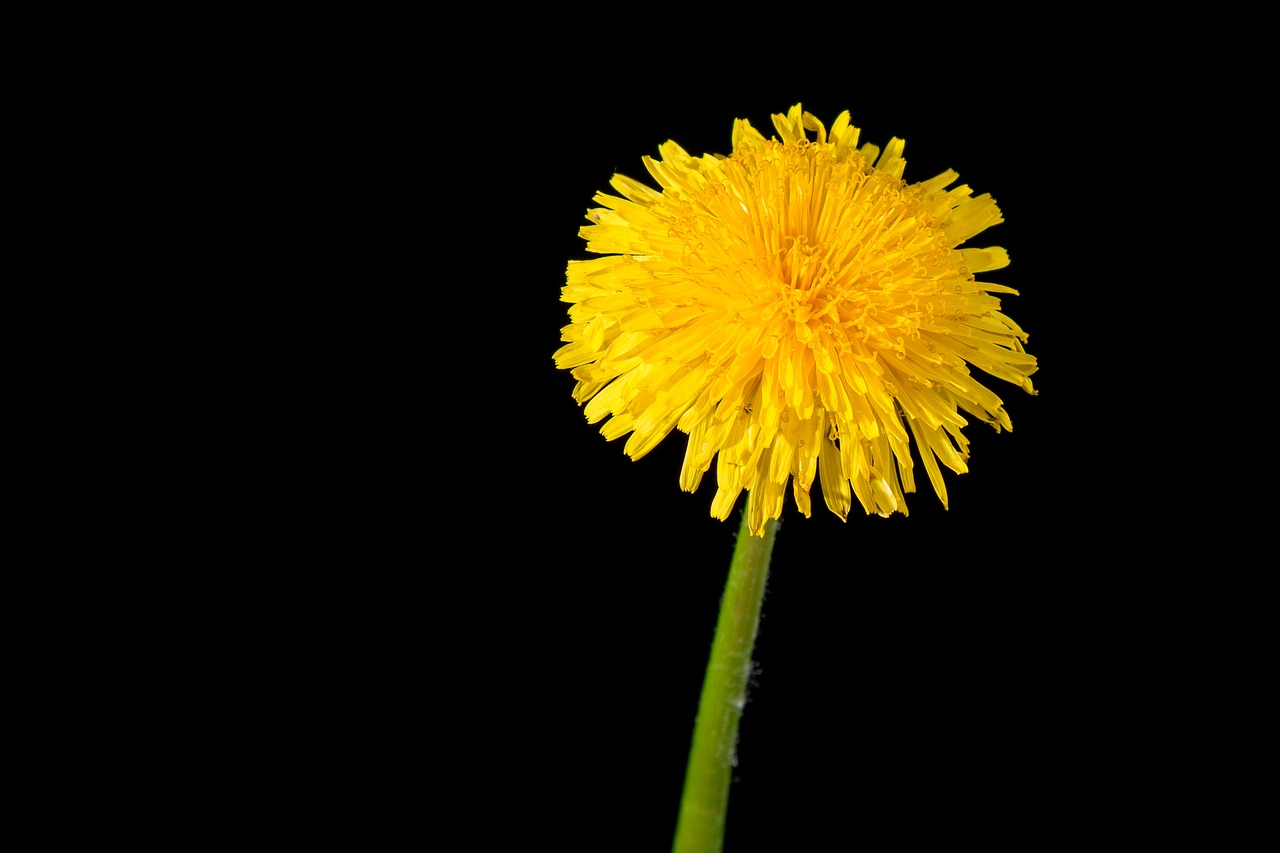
<point x="797" y="310"/>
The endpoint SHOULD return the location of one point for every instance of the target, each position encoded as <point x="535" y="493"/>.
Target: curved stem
<point x="700" y="827"/>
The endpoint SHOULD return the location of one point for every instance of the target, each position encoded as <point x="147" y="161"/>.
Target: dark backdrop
<point x="378" y="582"/>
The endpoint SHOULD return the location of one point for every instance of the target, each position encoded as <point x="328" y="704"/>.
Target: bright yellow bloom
<point x="797" y="309"/>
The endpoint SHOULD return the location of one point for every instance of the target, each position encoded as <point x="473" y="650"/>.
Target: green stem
<point x="700" y="827"/>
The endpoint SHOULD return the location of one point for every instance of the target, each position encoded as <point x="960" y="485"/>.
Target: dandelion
<point x="798" y="311"/>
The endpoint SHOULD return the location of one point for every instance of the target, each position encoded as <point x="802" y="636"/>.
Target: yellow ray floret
<point x="799" y="312"/>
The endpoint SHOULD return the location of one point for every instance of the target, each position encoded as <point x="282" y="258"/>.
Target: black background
<point x="1074" y="642"/>
<point x="359" y="570"/>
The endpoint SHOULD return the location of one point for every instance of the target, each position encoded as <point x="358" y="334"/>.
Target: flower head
<point x="798" y="311"/>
